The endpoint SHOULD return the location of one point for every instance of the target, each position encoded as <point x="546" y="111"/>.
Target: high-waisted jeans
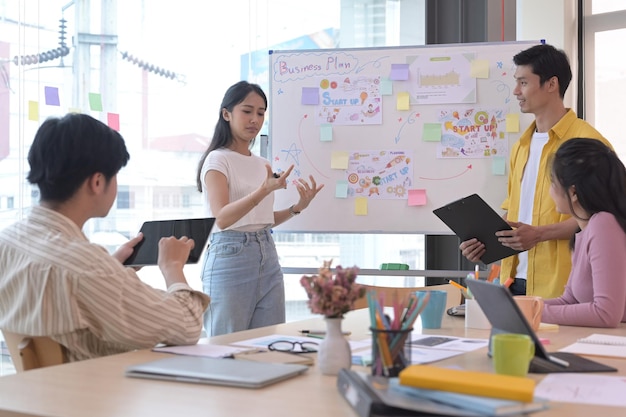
<point x="242" y="276"/>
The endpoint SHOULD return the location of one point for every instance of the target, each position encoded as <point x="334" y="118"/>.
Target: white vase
<point x="334" y="350"/>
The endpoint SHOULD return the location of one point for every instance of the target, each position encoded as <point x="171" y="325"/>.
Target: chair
<point x="32" y="352"/>
<point x="453" y="298"/>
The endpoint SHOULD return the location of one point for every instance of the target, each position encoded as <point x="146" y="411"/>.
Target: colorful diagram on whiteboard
<point x="350" y="101"/>
<point x="473" y="133"/>
<point x="380" y="174"/>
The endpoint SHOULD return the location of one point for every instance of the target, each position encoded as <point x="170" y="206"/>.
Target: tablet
<point x="505" y="316"/>
<point x="228" y="372"/>
<point x="471" y="217"/>
<point x="147" y="251"/>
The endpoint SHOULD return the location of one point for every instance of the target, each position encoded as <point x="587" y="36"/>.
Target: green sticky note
<point x="95" y="101"/>
<point x="431" y="132"/>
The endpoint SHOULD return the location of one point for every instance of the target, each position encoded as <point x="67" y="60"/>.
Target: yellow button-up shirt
<point x="549" y="262"/>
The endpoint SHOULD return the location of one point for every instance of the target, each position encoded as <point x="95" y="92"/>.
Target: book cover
<point x="468" y="382"/>
<point x="482" y="405"/>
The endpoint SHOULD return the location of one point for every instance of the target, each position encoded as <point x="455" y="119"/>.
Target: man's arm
<point x="525" y="236"/>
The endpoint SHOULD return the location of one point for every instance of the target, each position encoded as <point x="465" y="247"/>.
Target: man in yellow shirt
<point x="542" y="76"/>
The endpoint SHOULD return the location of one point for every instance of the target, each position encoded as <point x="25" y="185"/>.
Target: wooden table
<point x="98" y="387"/>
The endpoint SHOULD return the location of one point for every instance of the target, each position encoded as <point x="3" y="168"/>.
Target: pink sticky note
<point x="417" y="198"/>
<point x="113" y="120"/>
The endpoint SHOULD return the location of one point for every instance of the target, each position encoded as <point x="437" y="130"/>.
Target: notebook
<point x="471" y="217"/>
<point x="599" y="345"/>
<point x="147" y="251"/>
<point x="228" y="372"/>
<point x="505" y="316"/>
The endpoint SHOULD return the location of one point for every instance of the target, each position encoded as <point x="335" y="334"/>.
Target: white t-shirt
<point x="244" y="175"/>
<point x="527" y="195"/>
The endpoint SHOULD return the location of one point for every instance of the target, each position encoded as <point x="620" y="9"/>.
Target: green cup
<point x="512" y="353"/>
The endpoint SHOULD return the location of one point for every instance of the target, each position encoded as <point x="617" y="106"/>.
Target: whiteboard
<point x="393" y="133"/>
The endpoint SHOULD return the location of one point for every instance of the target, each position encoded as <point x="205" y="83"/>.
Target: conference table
<point x="98" y="387"/>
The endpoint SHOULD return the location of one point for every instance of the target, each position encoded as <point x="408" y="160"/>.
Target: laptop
<point x="216" y="371"/>
<point x="505" y="316"/>
<point x="471" y="217"/>
<point x="147" y="251"/>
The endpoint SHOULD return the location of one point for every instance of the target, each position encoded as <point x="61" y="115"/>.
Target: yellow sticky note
<point x="360" y="206"/>
<point x="479" y="68"/>
<point x="403" y="101"/>
<point x="512" y="122"/>
<point x="339" y="160"/>
<point x="417" y="198"/>
<point x="33" y="111"/>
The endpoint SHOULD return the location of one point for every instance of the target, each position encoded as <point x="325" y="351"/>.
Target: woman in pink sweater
<point x="589" y="183"/>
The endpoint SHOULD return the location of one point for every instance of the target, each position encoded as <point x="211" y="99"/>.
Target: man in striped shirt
<point x="54" y="282"/>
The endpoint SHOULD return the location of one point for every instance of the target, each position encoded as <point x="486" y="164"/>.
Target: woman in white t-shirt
<point x="241" y="272"/>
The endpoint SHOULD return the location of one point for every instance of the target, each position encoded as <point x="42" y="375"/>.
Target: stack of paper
<point x="374" y="396"/>
<point x="482" y="405"/>
<point x="468" y="382"/>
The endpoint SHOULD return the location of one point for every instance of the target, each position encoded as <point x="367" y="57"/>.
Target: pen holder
<point x="391" y="351"/>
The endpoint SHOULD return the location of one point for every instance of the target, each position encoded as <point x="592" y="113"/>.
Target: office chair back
<point x="32" y="352"/>
<point x="453" y="298"/>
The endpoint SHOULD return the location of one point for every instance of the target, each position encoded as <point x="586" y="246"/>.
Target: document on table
<point x="429" y="348"/>
<point x="599" y="345"/>
<point x="418" y="356"/>
<point x="583" y="389"/>
<point x="265" y="341"/>
<point x="459" y="344"/>
<point x="202" y="348"/>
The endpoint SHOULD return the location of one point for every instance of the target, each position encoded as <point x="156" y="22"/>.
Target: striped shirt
<point x="54" y="282"/>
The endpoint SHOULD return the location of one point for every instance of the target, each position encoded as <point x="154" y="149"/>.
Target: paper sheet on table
<point x="202" y="349"/>
<point x="460" y="344"/>
<point x="583" y="389"/>
<point x="418" y="355"/>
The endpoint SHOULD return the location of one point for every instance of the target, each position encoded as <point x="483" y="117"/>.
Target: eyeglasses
<point x="293" y="347"/>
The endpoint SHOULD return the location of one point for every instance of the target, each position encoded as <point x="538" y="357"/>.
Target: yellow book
<point x="468" y="382"/>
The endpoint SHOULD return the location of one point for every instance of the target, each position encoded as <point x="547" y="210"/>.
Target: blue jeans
<point x="242" y="276"/>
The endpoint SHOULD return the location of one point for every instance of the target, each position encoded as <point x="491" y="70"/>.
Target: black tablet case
<point x="505" y="316"/>
<point x="471" y="217"/>
<point x="146" y="251"/>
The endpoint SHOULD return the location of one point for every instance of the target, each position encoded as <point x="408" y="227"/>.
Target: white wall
<point x="554" y="21"/>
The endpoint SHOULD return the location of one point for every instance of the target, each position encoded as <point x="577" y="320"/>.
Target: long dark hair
<point x="597" y="174"/>
<point x="222" y="136"/>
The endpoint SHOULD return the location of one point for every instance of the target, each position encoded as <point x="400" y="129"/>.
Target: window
<point x="605" y="70"/>
<point x="158" y="70"/>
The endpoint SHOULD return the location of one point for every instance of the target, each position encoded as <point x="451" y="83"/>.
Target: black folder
<point x="471" y="217"/>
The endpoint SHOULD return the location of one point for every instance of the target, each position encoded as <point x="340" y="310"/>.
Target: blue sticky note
<point x="498" y="165"/>
<point x="326" y="132"/>
<point x="341" y="189"/>
<point x="310" y="95"/>
<point x="386" y="86"/>
<point x="399" y="72"/>
<point x="52" y="96"/>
